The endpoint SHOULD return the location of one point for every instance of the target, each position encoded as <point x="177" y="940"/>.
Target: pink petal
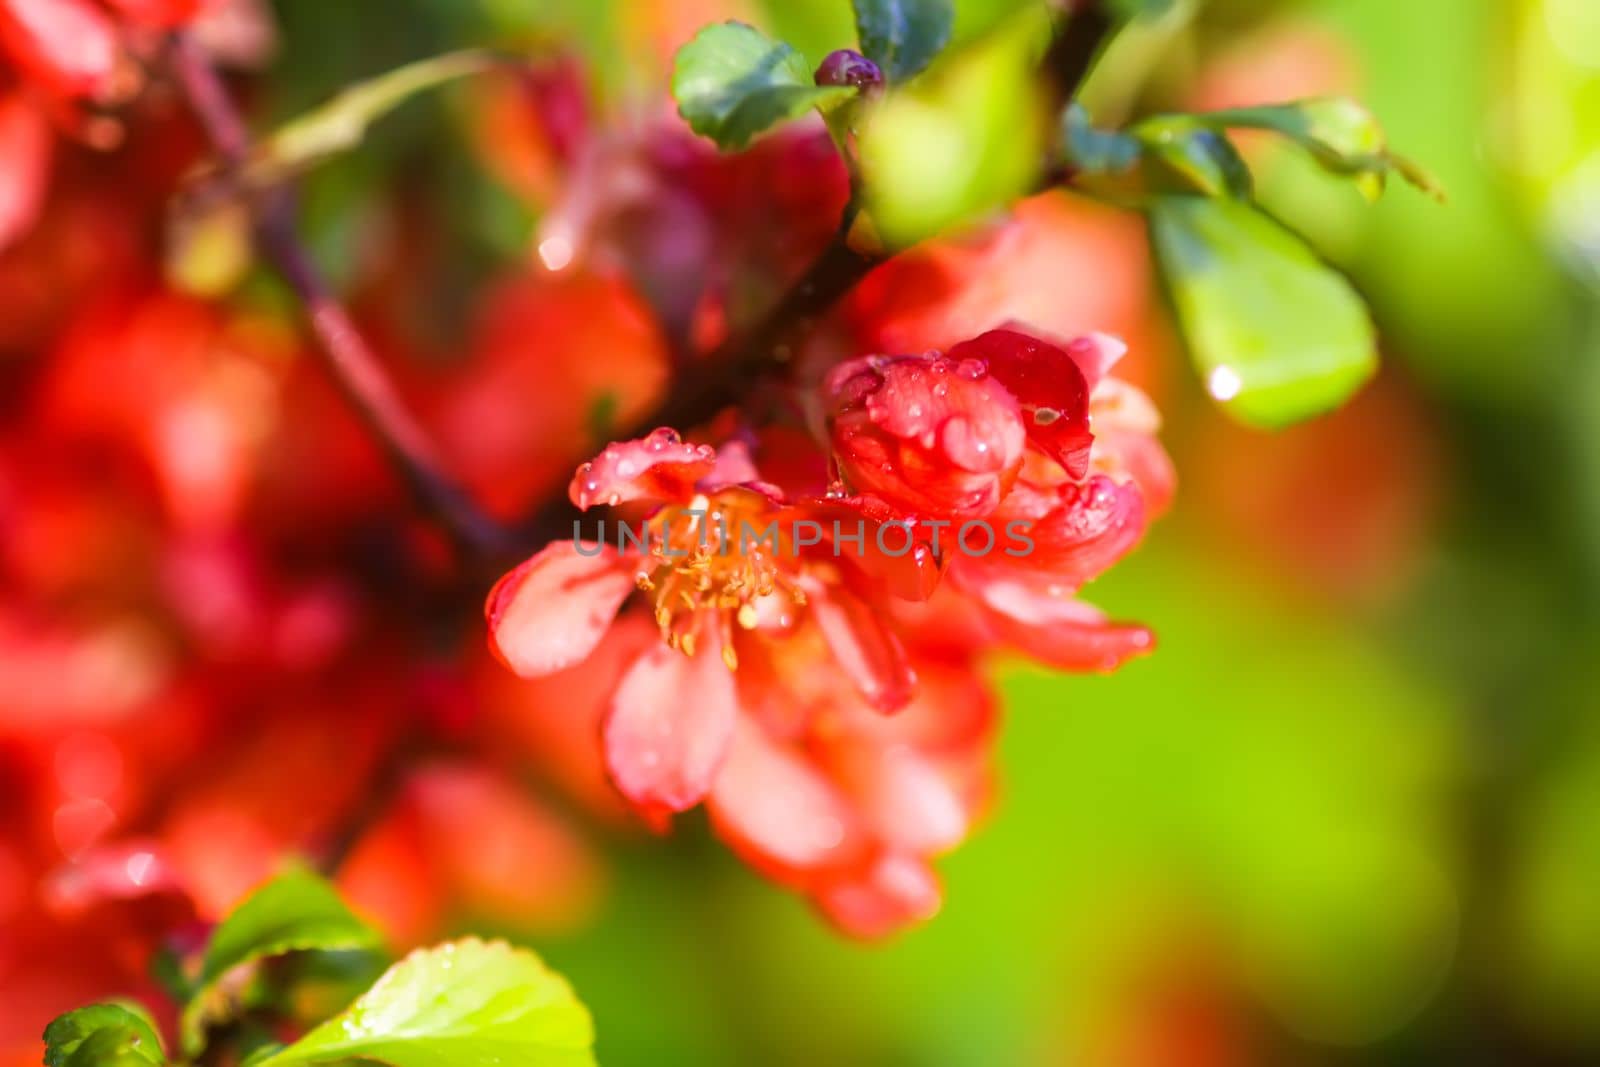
<point x="1050" y="625"/>
<point x="549" y="613"/>
<point x="779" y="812"/>
<point x="670" y="724"/>
<point x="954" y="711"/>
<point x="864" y="646"/>
<point x="68" y="46"/>
<point x="1095" y="354"/>
<point x="1077" y="531"/>
<point x="1050" y="386"/>
<point x="25" y="150"/>
<point x="929" y="434"/>
<point x="895" y="892"/>
<point x="661" y="466"/>
<point x="893" y="549"/>
<point x="902" y="795"/>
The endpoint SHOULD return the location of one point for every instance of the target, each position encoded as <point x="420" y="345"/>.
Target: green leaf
<point x="294" y="912"/>
<point x="466" y="1002"/>
<point x="732" y="82"/>
<point x="341" y="123"/>
<point x="1277" y="335"/>
<point x="966" y="140"/>
<point x="103" y="1035"/>
<point x="1341" y="135"/>
<point x="1162" y="154"/>
<point x="1183" y="156"/>
<point x="903" y="36"/>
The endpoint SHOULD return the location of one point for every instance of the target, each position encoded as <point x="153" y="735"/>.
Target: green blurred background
<point x="1350" y="811"/>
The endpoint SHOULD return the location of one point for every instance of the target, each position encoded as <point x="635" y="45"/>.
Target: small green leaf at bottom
<point x="1277" y="335"/>
<point x="102" y="1035"/>
<point x="297" y="911"/>
<point x="465" y="1002"/>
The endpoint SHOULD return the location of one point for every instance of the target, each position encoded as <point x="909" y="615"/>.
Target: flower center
<point x="709" y="564"/>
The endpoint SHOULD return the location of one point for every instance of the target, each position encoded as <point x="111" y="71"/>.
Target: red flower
<point x="720" y="554"/>
<point x="927" y="434"/>
<point x="999" y="429"/>
<point x="1078" y="522"/>
<point x="764" y="696"/>
<point x="25" y="150"/>
<point x="944" y="436"/>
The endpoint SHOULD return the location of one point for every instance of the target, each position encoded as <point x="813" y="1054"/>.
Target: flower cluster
<point x="822" y="699"/>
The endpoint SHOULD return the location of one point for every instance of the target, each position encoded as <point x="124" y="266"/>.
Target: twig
<point x="353" y="364"/>
<point x="1080" y="35"/>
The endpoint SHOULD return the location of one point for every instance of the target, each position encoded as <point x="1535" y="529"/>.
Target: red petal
<point x="1077" y="531"/>
<point x="893" y="549"/>
<point x="864" y="647"/>
<point x="895" y="892"/>
<point x="69" y="46"/>
<point x="671" y="720"/>
<point x="1048" y="624"/>
<point x="1049" y="384"/>
<point x="659" y="467"/>
<point x="902" y="795"/>
<point x="929" y="434"/>
<point x="504" y="854"/>
<point x="159" y="13"/>
<point x="550" y="613"/>
<point x="25" y="150"/>
<point x="779" y="812"/>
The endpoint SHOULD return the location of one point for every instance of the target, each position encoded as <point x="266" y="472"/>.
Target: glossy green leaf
<point x="1183" y="156"/>
<point x="1164" y="154"/>
<point x="1341" y="135"/>
<point x="466" y="1002"/>
<point x="295" y="912"/>
<point x="732" y="82"/>
<point x="965" y="140"/>
<point x="903" y="36"/>
<point x="1277" y="335"/>
<point x="102" y="1035"/>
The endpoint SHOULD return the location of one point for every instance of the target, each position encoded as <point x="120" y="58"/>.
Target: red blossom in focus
<point x="809" y="691"/>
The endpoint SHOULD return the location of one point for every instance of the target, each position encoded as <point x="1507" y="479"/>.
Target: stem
<point x="352" y="362"/>
<point x="1078" y="40"/>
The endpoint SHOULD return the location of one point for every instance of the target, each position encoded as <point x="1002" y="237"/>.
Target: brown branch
<point x="352" y="362"/>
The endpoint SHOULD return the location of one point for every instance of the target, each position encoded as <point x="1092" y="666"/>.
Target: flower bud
<point x="927" y="434"/>
<point x="853" y="69"/>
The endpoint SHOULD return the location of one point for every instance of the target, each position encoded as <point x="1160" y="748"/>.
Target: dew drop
<point x="1224" y="383"/>
<point x="556" y="253"/>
